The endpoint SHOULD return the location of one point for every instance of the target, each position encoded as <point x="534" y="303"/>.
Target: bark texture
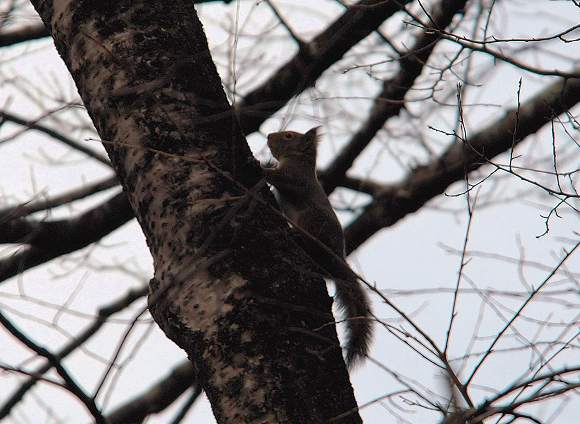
<point x="231" y="287"/>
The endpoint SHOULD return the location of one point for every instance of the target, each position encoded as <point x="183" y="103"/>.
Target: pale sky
<point x="412" y="255"/>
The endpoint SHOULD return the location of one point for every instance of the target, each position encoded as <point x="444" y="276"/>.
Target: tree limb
<point x="312" y="59"/>
<point x="157" y="397"/>
<point x="223" y="289"/>
<point x="50" y="239"/>
<point x="55" y="361"/>
<point x="391" y="99"/>
<point x="33" y="125"/>
<point x="427" y="181"/>
<point x="70" y="347"/>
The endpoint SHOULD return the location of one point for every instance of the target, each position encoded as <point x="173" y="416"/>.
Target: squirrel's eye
<point x="287" y="136"/>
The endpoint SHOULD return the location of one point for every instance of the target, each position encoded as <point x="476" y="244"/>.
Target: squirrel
<point x="303" y="200"/>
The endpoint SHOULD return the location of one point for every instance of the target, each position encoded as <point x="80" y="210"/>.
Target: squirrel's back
<point x="305" y="203"/>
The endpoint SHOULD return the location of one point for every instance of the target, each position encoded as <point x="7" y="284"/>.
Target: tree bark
<point x="231" y="287"/>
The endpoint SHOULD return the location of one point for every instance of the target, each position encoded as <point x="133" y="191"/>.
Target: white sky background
<point x="410" y="255"/>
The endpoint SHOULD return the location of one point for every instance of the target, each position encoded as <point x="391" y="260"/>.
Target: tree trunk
<point x="231" y="287"/>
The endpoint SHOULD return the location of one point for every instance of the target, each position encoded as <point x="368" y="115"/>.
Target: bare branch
<point x="104" y="313"/>
<point x="33" y="125"/>
<point x="427" y="181"/>
<point x="312" y="59"/>
<point x="517" y="314"/>
<point x="157" y="397"/>
<point x="391" y="99"/>
<point x="26" y="33"/>
<point x="55" y="361"/>
<point x="50" y="239"/>
<point x="34" y="206"/>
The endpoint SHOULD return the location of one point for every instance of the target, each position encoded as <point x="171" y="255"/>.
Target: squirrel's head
<point x="288" y="144"/>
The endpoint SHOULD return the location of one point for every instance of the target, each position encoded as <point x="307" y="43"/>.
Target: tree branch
<point x="50" y="239"/>
<point x="36" y="31"/>
<point x="391" y="99"/>
<point x="157" y="397"/>
<point x="55" y="361"/>
<point x="312" y="59"/>
<point x="20" y="35"/>
<point x="428" y="181"/>
<point x="33" y="125"/>
<point x="33" y="206"/>
<point x="104" y="313"/>
<point x="192" y="182"/>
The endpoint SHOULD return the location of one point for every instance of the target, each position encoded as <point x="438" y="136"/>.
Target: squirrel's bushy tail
<point x="351" y="297"/>
<point x="353" y="301"/>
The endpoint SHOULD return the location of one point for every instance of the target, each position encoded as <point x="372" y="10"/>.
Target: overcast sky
<point x="417" y="253"/>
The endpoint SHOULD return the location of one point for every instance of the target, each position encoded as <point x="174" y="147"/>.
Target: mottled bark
<point x="230" y="286"/>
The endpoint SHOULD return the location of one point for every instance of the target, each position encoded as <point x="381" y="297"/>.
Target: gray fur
<point x="304" y="202"/>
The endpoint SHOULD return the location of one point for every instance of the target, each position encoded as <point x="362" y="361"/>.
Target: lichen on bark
<point x="231" y="287"/>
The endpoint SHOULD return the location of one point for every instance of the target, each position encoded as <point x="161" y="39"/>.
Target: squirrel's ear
<point x="312" y="134"/>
